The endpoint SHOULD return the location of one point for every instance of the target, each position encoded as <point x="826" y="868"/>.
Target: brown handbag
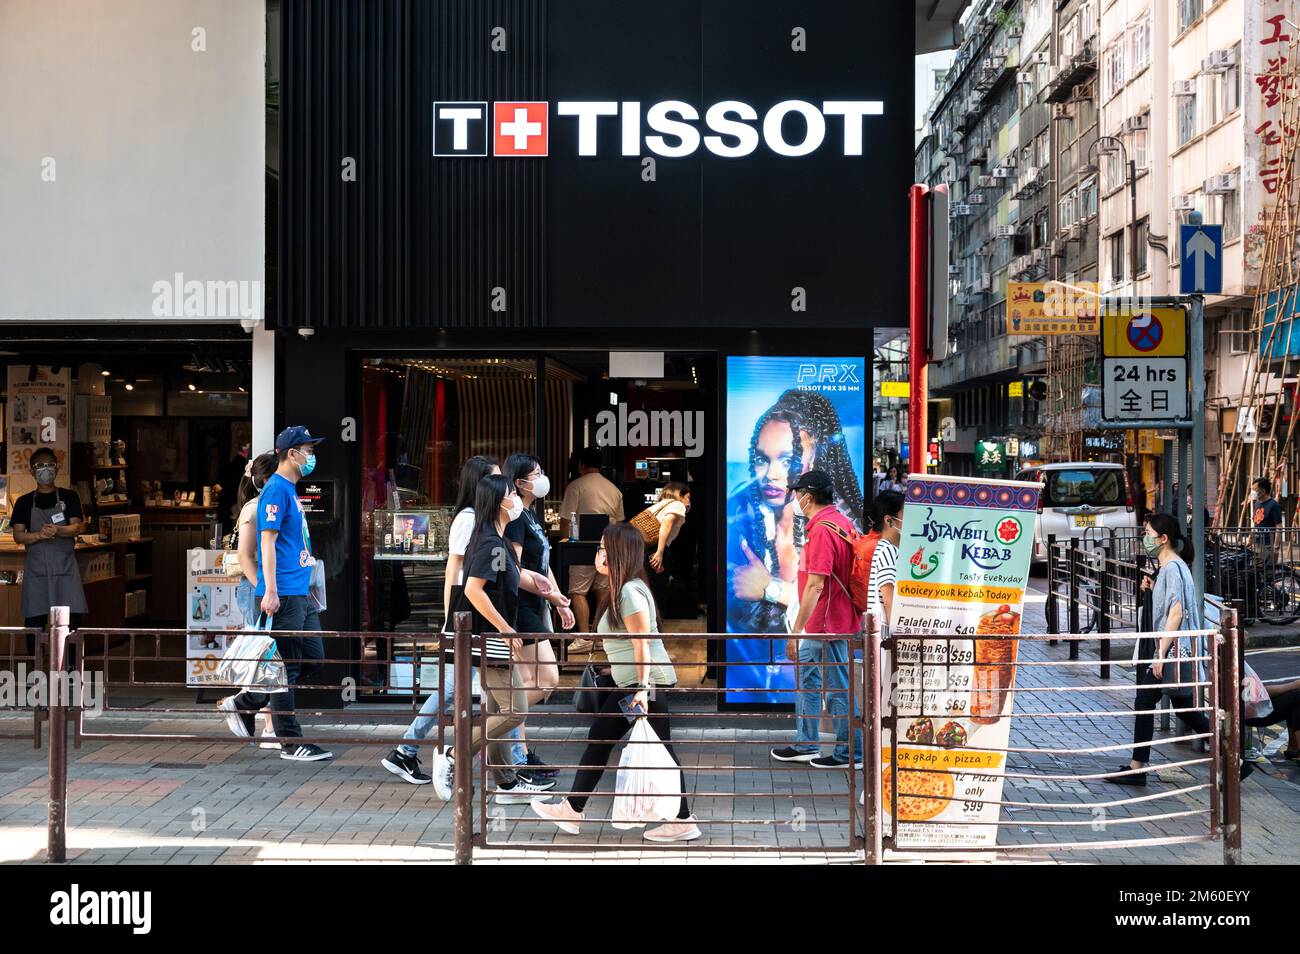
<point x="647" y="523"/>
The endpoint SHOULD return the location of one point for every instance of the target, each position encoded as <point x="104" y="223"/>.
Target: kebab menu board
<point x="963" y="565"/>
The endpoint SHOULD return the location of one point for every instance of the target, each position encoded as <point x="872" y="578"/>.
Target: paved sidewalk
<point x="216" y="802"/>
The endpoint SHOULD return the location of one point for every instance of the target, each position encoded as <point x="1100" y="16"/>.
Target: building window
<point x="1238" y="326"/>
<point x="1232" y="85"/>
<point x="1189" y="11"/>
<point x="1229" y="214"/>
<point x="1138" y="146"/>
<point x="1114" y="69"/>
<point x="1116" y="174"/>
<point x="1115" y="245"/>
<point x="1186" y="118"/>
<point x="1141" y="45"/>
<point x="1140" y="233"/>
<point x="1069" y="209"/>
<point x="1088" y="199"/>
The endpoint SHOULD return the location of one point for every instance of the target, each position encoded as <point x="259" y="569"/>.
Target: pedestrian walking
<point x="825" y="607"/>
<point x="1175" y="608"/>
<point x="284" y="573"/>
<point x="491" y="593"/>
<point x="536" y="667"/>
<point x="243" y="547"/>
<point x="404" y="761"/>
<point x="639" y="666"/>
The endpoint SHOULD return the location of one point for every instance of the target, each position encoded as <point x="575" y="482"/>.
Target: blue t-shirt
<point x="278" y="509"/>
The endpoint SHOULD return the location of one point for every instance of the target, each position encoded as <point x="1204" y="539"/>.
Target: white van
<point x="1078" y="498"/>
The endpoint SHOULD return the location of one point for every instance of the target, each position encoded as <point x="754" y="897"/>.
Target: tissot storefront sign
<point x="670" y="129"/>
<point x="587" y="164"/>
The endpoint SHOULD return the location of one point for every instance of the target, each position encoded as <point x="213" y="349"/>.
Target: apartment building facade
<point x="1188" y="112"/>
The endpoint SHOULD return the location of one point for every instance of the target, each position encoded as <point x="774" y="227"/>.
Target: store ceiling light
<point x="130" y="384"/>
<point x="106" y="373"/>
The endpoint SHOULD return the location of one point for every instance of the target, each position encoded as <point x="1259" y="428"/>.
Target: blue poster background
<point x="784" y="415"/>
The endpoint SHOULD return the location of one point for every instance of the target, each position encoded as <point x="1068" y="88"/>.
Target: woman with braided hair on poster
<point x="764" y="534"/>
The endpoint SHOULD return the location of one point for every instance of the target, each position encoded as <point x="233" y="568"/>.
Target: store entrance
<point x="610" y="440"/>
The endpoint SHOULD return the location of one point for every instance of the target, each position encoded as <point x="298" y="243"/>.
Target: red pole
<point x="916" y="419"/>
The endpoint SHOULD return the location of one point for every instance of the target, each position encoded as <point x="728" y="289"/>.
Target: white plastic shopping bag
<point x="253" y="661"/>
<point x="649" y="783"/>
<point x="1254" y="695"/>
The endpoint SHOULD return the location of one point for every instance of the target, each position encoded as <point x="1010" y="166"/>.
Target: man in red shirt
<point x="824" y="608"/>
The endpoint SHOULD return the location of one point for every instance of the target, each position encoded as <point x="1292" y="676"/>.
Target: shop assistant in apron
<point x="50" y="574"/>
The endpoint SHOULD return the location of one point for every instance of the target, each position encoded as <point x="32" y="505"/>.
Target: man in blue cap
<point x="284" y="569"/>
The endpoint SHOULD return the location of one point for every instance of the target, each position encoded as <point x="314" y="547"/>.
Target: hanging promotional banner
<point x="36" y="416"/>
<point x="963" y="566"/>
<point x="212" y="615"/>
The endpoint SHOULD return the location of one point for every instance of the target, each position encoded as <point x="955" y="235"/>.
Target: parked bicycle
<point x="1269" y="588"/>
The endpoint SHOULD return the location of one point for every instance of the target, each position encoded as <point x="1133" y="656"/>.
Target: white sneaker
<point x="240" y="723"/>
<point x="523" y="790"/>
<point x="443" y="771"/>
<point x="268" y="732"/>
<point x="683" y="829"/>
<point x="561" y="813"/>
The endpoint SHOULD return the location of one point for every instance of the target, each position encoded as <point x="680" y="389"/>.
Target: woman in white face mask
<point x="1162" y="668"/>
<point x="536" y="669"/>
<point x="46" y="522"/>
<point x="491" y="593"/>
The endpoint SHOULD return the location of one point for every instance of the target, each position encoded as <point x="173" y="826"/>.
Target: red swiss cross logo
<point x="519" y="129"/>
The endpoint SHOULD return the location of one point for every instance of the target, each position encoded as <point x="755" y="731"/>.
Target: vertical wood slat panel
<point x="414" y="241"/>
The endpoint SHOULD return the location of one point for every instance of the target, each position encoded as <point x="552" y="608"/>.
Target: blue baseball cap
<point x="295" y="436"/>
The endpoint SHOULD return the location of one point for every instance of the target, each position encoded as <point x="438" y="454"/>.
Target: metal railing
<point x="868" y="711"/>
<point x="22" y="656"/>
<point x="1100" y="572"/>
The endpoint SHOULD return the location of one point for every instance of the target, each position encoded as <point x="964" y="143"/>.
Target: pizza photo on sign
<point x="921" y="795"/>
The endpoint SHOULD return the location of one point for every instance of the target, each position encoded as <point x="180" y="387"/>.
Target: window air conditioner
<point x="1185" y="87"/>
<point x="1183" y="203"/>
<point x="1220" y="184"/>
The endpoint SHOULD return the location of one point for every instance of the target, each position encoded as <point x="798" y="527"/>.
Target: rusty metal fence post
<point x="1230" y="703"/>
<point x="463" y="790"/>
<point x="57" y="807"/>
<point x="1074" y="596"/>
<point x="1105" y="595"/>
<point x="873" y="853"/>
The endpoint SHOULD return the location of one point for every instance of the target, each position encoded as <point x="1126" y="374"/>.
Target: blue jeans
<point x="830" y="662"/>
<point x="302" y="657"/>
<point x="427" y="720"/>
<point x="246" y="602"/>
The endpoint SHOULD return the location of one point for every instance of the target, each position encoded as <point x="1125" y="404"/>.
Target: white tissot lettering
<point x="587" y="114"/>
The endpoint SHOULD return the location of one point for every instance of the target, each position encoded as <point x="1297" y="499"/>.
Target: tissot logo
<point x="790" y="128"/>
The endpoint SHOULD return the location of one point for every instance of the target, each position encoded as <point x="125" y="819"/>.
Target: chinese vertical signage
<point x="963" y="565"/>
<point x="1265" y="65"/>
<point x="1052" y="308"/>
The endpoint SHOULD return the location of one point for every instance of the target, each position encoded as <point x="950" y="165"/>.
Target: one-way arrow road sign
<point x="1202" y="259"/>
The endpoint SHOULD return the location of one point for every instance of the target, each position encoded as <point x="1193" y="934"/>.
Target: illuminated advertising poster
<point x="212" y="616"/>
<point x="785" y="416"/>
<point x="963" y="565"/>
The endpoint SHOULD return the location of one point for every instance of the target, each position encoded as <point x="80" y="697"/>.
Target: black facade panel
<point x="624" y="251"/>
<point x="344" y="245"/>
<point x="832" y="225"/>
<point x="419" y="241"/>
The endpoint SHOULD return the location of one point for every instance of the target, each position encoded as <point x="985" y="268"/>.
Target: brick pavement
<point x="223" y="803"/>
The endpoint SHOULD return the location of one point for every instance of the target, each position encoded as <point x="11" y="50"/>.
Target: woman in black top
<point x="492" y="592"/>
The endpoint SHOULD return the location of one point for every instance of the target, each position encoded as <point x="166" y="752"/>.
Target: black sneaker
<point x="405" y="766"/>
<point x="1137" y="779"/>
<point x="305" y="752"/>
<point x="241" y="723"/>
<point x="538" y="769"/>
<point x="791" y="754"/>
<point x="830" y="762"/>
<point x="523" y="790"/>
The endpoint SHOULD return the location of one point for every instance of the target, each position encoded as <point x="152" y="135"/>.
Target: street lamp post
<point x="1114" y="143"/>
